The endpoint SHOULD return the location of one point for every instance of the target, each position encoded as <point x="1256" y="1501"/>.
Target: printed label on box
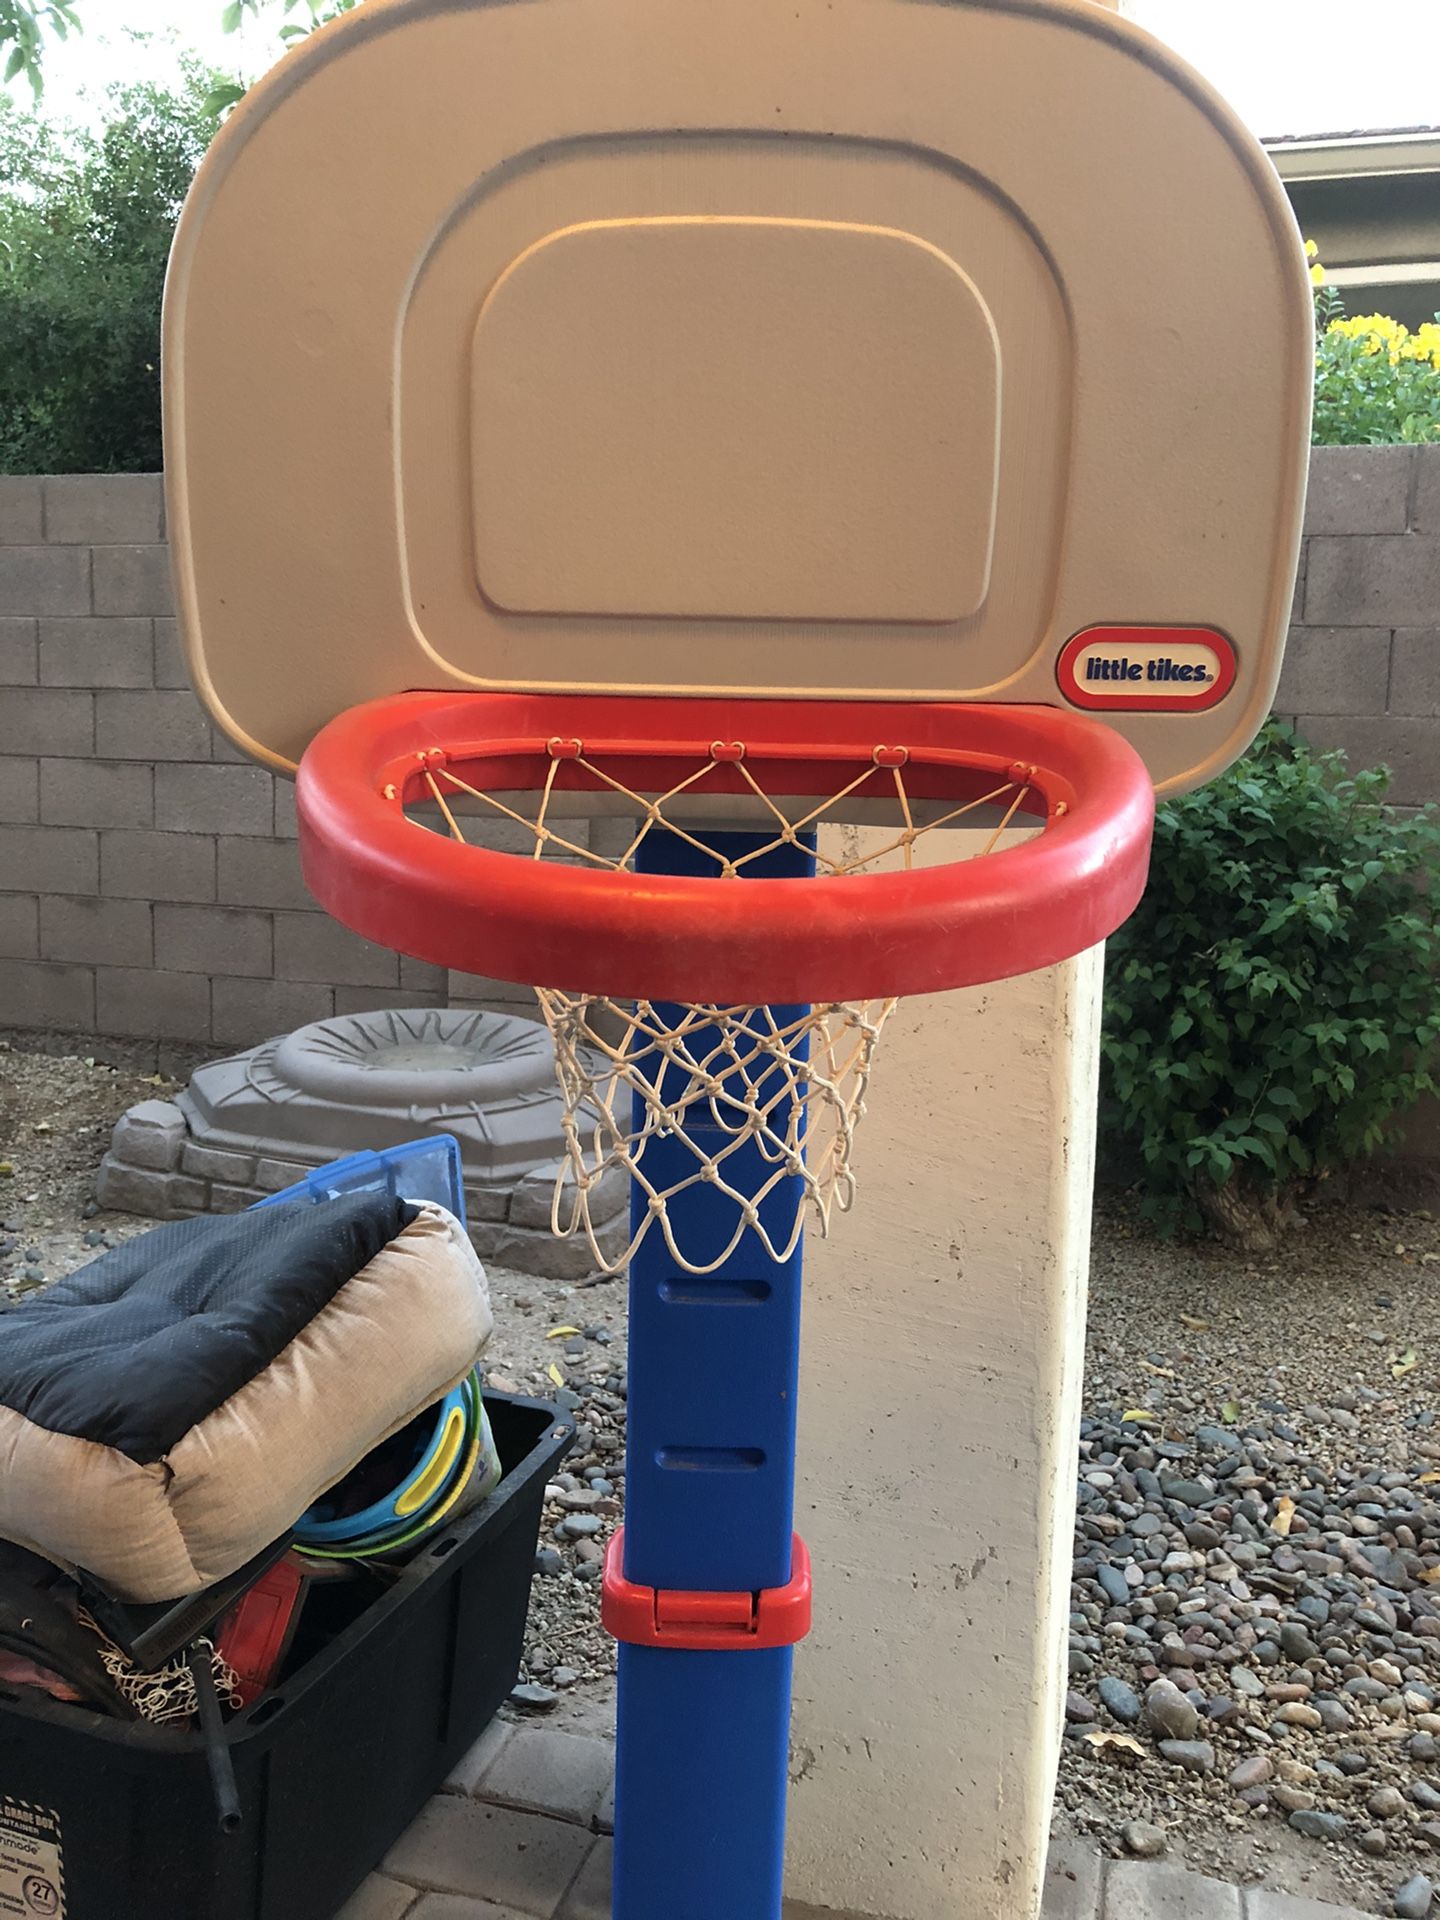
<point x="32" y="1872"/>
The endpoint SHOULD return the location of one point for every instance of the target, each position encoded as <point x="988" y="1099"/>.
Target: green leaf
<point x="231" y="18"/>
<point x="220" y="98"/>
<point x="16" y="61"/>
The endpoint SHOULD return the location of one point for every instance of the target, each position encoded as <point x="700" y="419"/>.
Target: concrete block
<point x="1415" y="671"/>
<point x="589" y="1898"/>
<point x="96" y="793"/>
<point x="537" y="1250"/>
<point x="469" y="1771"/>
<point x="534" y="1196"/>
<point x="96" y="653"/>
<point x="273" y="1176"/>
<point x="1072" y="1882"/>
<point x="1425" y="513"/>
<point x="129" y="1190"/>
<point x="151" y="1135"/>
<point x="143" y="865"/>
<point x="103" y="509"/>
<point x="21" y="511"/>
<point x="605" y="1812"/>
<point x="478" y="990"/>
<point x="152" y="1004"/>
<point x="262" y="873"/>
<point x="1386" y="580"/>
<point x="1358" y="490"/>
<point x="19" y="793"/>
<point x="49" y="859"/>
<point x="170" y="669"/>
<point x="230" y="940"/>
<point x="133" y="579"/>
<point x="1297" y="597"/>
<point x="1335" y="670"/>
<point x="224" y="751"/>
<point x="217" y="1163"/>
<point x="213" y="799"/>
<point x="515" y="1859"/>
<point x="286" y="825"/>
<point x="483" y="827"/>
<point x="19" y="927"/>
<point x="33" y="994"/>
<point x="133" y="725"/>
<point x="546" y="1770"/>
<point x="308" y="946"/>
<point x="421" y="975"/>
<point x="186" y="1197"/>
<point x="247" y="1011"/>
<point x="1143" y="1890"/>
<point x="44" y="580"/>
<point x="96" y="932"/>
<point x="379" y="1899"/>
<point x="377" y="999"/>
<point x="47" y="720"/>
<point x="19" y="652"/>
<point x="487" y="1203"/>
<point x="1409" y="747"/>
<point x="225" y="1199"/>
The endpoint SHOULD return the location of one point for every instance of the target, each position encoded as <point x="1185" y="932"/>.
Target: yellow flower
<point x="1312" y="252"/>
<point x="1317" y="275"/>
<point x="1376" y="333"/>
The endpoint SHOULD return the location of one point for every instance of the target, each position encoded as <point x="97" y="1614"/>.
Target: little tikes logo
<point x="1140" y="669"/>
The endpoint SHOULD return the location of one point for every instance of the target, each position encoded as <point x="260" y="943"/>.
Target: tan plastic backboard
<point x="914" y="349"/>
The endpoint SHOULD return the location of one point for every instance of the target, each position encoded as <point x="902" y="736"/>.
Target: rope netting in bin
<point x="697" y="1095"/>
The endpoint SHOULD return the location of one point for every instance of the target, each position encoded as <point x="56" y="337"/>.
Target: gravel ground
<point x="1255" y="1641"/>
<point x="1255" y="1635"/>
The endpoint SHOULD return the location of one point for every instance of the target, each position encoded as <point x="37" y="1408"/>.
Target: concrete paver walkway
<point x="522" y="1832"/>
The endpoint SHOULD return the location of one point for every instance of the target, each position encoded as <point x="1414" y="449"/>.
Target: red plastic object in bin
<point x="705" y="1622"/>
<point x="256" y="1634"/>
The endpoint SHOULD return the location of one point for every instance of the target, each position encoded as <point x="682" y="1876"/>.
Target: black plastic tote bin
<point x="331" y="1768"/>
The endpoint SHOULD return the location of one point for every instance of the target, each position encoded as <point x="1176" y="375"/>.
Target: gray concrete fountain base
<point x="261" y="1120"/>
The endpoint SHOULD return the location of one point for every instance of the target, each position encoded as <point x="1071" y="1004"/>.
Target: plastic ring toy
<point x="460" y="1447"/>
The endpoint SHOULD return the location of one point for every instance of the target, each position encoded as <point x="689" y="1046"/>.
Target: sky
<point x="1288" y="66"/>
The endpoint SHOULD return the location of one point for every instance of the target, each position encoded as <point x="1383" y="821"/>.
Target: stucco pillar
<point x="940" y="1400"/>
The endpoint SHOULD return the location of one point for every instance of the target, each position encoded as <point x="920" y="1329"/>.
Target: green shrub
<point x="1272" y="1007"/>
<point x="1376" y="383"/>
<point x="86" y="222"/>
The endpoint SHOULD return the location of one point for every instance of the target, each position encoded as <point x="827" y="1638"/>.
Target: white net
<point x="726" y="1118"/>
<point x="166" y="1696"/>
<point x="746" y="1100"/>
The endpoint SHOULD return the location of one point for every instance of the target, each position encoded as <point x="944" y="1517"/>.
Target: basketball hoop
<point x="739" y="1023"/>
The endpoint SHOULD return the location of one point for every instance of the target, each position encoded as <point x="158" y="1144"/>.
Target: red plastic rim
<point x="642" y="936"/>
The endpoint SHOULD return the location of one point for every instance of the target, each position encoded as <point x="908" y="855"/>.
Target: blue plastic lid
<point x="427" y="1169"/>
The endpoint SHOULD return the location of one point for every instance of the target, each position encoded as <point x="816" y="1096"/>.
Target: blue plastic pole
<point x="703" y="1737"/>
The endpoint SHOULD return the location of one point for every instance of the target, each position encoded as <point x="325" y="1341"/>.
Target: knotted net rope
<point x="752" y="1097"/>
<point x="166" y="1696"/>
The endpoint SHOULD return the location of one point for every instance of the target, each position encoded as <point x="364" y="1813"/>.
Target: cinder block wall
<point x="149" y="883"/>
<point x="149" y="887"/>
<point x="1362" y="670"/>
